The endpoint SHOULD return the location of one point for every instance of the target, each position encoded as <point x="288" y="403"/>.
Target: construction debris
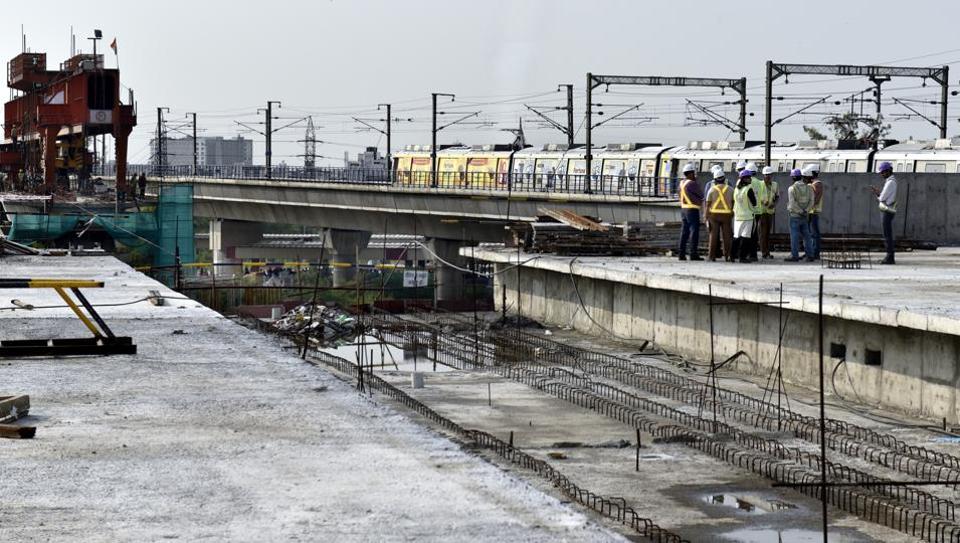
<point x="326" y="322"/>
<point x="14" y="407"/>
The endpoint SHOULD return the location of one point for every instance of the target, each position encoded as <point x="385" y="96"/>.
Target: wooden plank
<point x="11" y="431"/>
<point x="572" y="219"/>
<point x="14" y="407"/>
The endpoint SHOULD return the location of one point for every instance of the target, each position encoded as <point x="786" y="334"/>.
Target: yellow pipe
<point x="65" y="283"/>
<point x="76" y="310"/>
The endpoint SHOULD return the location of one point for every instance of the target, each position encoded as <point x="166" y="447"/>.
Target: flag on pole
<point x="113" y="45"/>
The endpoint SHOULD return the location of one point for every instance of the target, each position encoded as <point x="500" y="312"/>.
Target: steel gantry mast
<point x="593" y="81"/>
<point x="876" y="74"/>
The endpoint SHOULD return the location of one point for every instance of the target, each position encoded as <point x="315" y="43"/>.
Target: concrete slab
<point x="221" y="434"/>
<point x="920" y="292"/>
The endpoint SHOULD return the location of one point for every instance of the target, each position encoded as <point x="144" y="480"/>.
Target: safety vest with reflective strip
<point x="685" y="202"/>
<point x="720" y="206"/>
<point x="742" y="210"/>
<point x="767" y="197"/>
<point x="759" y="188"/>
<point x="817" y="186"/>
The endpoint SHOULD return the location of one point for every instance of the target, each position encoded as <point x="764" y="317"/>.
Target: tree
<point x="813" y="133"/>
<point x="848" y="127"/>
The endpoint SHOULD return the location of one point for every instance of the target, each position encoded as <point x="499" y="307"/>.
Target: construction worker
<point x="719" y="211"/>
<point x="817" y="186"/>
<point x="887" y="200"/>
<point x="799" y="204"/>
<point x="744" y="208"/>
<point x="769" y="195"/>
<point x="691" y="200"/>
<point x="756" y="183"/>
<point x="741" y="165"/>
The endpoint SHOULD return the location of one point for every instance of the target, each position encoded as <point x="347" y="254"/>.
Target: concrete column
<point x="449" y="280"/>
<point x="225" y="236"/>
<point x="345" y="245"/>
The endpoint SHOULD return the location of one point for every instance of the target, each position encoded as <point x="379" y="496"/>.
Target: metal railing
<point x="504" y="182"/>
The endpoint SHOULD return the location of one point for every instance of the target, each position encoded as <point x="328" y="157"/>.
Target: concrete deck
<point x="921" y="292"/>
<point x="221" y="434"/>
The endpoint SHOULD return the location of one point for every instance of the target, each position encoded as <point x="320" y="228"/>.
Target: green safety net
<point x="161" y="232"/>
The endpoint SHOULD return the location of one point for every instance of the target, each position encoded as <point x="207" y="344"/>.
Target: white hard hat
<point x="752" y="167"/>
<point x="689" y="167"/>
<point x="767" y="170"/>
<point x="741" y="165"/>
<point x="807" y="171"/>
<point x="718" y="172"/>
<point x="815" y="167"/>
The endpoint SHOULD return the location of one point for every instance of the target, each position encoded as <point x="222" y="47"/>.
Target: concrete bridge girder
<point x="366" y="207"/>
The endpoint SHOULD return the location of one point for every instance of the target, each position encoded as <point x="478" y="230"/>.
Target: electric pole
<point x="194" y="142"/>
<point x="389" y="161"/>
<point x="161" y="152"/>
<point x="569" y="109"/>
<point x="268" y="134"/>
<point x="433" y="140"/>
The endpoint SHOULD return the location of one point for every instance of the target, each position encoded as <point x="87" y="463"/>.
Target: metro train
<point x="557" y="166"/>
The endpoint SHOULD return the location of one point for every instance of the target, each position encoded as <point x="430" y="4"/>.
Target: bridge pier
<point x="225" y="236"/>
<point x="449" y="280"/>
<point x="345" y="245"/>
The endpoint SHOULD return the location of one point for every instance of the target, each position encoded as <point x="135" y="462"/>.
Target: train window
<point x="958" y="167"/>
<point x="899" y="166"/>
<point x="909" y="167"/>
<point x="935" y="167"/>
<point x="780" y="165"/>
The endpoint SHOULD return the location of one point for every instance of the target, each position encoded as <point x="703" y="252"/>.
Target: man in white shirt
<point x="887" y="201"/>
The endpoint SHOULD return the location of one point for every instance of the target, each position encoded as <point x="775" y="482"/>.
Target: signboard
<point x="101" y="116"/>
<point x="415" y="278"/>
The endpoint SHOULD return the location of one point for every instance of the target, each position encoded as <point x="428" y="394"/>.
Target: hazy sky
<point x="337" y="59"/>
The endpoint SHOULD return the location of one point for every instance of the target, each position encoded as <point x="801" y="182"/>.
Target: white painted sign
<point x="101" y="116"/>
<point x="415" y="278"/>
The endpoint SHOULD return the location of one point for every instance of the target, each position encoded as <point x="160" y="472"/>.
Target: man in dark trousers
<point x="142" y="184"/>
<point x="887" y="201"/>
<point x="691" y="200"/>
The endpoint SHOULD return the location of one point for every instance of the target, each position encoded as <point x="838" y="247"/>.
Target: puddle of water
<point x="734" y="502"/>
<point x="775" y="536"/>
<point x="655" y="456"/>
<point x="748" y="504"/>
<point x="386" y="357"/>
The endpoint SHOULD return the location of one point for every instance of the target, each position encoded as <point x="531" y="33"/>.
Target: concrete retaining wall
<point x="918" y="374"/>
<point x="928" y="206"/>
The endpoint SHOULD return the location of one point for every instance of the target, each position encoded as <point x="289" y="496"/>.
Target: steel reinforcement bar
<point x="615" y="508"/>
<point x="876" y="508"/>
<point x="886" y="450"/>
<point x="807" y="426"/>
<point x="693" y="393"/>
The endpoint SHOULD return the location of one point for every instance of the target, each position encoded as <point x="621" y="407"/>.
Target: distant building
<point x="369" y="159"/>
<point x="211" y="151"/>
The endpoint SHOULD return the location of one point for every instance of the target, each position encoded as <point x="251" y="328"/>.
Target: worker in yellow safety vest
<point x="719" y="211"/>
<point x="691" y="200"/>
<point x="745" y="205"/>
<point x="769" y="196"/>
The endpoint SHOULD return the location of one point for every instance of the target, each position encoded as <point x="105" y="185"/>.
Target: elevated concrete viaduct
<point x="447" y="217"/>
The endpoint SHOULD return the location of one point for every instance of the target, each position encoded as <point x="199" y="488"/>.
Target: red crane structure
<point x="47" y="124"/>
